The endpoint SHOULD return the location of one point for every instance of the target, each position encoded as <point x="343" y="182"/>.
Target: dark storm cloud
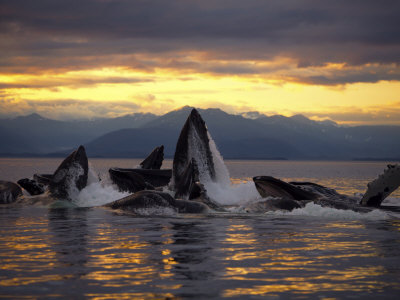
<point x="74" y="34"/>
<point x="371" y="73"/>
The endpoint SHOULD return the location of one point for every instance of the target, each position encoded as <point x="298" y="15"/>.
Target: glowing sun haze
<point x="335" y="60"/>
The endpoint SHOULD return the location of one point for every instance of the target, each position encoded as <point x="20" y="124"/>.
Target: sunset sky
<point x="337" y="60"/>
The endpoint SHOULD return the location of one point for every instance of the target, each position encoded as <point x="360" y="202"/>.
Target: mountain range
<point x="247" y="136"/>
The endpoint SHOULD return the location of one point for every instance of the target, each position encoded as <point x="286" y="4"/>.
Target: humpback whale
<point x="193" y="163"/>
<point x="68" y="180"/>
<point x="193" y="159"/>
<point x="300" y="193"/>
<point x="184" y="188"/>
<point x="193" y="166"/>
<point x="149" y="176"/>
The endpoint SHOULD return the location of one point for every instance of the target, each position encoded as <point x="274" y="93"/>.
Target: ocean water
<point x="92" y="252"/>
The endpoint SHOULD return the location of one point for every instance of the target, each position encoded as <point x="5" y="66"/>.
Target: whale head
<point x="192" y="153"/>
<point x="71" y="176"/>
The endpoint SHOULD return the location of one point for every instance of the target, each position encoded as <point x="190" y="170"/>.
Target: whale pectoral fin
<point x="382" y="187"/>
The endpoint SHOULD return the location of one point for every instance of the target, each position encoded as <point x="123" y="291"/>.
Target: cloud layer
<point x="51" y="49"/>
<point x="217" y="37"/>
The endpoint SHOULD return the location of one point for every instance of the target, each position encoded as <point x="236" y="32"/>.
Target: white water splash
<point x="392" y="201"/>
<point x="197" y="150"/>
<point x="314" y="210"/>
<point x="73" y="174"/>
<point x="154" y="211"/>
<point x="93" y="177"/>
<point x="221" y="190"/>
<point x="99" y="191"/>
<point x="221" y="171"/>
<point x="236" y="194"/>
<point x="97" y="194"/>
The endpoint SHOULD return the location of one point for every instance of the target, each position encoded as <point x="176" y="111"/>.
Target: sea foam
<point x="221" y="189"/>
<point x="314" y="210"/>
<point x="99" y="191"/>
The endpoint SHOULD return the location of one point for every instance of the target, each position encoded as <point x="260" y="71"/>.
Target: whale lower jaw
<point x="150" y="199"/>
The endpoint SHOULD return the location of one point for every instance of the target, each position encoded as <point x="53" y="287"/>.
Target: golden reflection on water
<point x="129" y="262"/>
<point x="303" y="288"/>
<point x="123" y="296"/>
<point x="333" y="281"/>
<point x="297" y="258"/>
<point x="240" y="180"/>
<point x="24" y="250"/>
<point x="345" y="225"/>
<point x="262" y="263"/>
<point x="17" y="281"/>
<point x="396" y="224"/>
<point x="240" y="234"/>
